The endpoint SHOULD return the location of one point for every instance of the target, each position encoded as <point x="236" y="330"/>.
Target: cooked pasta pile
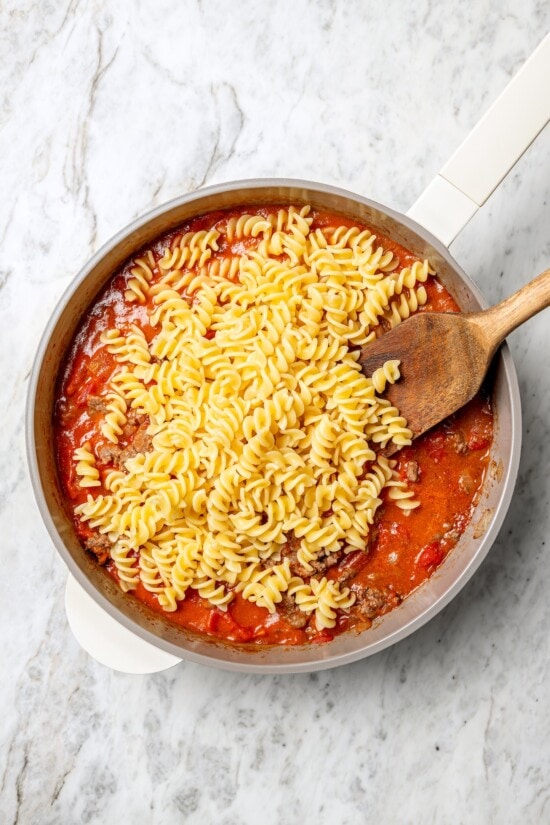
<point x="265" y="432"/>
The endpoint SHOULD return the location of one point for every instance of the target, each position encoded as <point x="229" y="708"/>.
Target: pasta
<point x="115" y="417"/>
<point x="85" y="466"/>
<point x="240" y="447"/>
<point x="142" y="274"/>
<point x="263" y="433"/>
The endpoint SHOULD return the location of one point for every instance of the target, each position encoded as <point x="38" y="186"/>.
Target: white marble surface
<point x="107" y="109"/>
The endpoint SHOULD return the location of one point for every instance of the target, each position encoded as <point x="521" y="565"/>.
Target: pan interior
<point x="420" y="605"/>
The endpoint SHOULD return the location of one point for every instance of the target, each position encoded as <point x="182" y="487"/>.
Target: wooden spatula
<point x="445" y="355"/>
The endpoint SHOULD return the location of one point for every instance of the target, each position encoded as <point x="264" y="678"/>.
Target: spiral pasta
<point x="85" y="466"/>
<point x="246" y="226"/>
<point x="267" y="586"/>
<point x="262" y="432"/>
<point x="388" y="373"/>
<point x="142" y="273"/>
<point x="126" y="565"/>
<point x="329" y="598"/>
<point x="115" y="417"/>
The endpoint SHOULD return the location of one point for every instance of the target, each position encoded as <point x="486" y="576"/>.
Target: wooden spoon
<point x="445" y="355"/>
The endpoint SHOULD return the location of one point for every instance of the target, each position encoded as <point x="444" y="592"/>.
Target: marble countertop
<point x="108" y="109"/>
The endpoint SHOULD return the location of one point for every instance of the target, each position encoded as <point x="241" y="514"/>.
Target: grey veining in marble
<point x="107" y="109"/>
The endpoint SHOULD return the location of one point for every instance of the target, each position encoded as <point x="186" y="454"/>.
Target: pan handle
<point x="489" y="152"/>
<point x="106" y="640"/>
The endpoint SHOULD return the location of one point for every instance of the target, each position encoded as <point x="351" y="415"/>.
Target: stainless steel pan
<point x="448" y="203"/>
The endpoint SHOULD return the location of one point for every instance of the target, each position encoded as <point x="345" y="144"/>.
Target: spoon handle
<point x="499" y="321"/>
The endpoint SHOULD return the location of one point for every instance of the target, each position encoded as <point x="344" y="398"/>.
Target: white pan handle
<point x="106" y="640"/>
<point x="489" y="152"/>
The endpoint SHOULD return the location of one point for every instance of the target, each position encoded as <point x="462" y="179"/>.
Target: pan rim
<point x="254" y="663"/>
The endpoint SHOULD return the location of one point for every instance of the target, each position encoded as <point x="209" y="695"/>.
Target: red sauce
<point x="405" y="550"/>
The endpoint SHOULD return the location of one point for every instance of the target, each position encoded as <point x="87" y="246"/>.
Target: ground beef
<point x="346" y="575"/>
<point x="320" y="565"/>
<point x="108" y="453"/>
<point x="412" y="470"/>
<point x="369" y="601"/>
<point x="134" y="418"/>
<point x="458" y="442"/>
<point x="388" y="450"/>
<point x="291" y="613"/>
<point x="128" y="452"/>
<point x="100" y="546"/>
<point x="97" y="404"/>
<point x="140" y="442"/>
<point x="133" y="421"/>
<point x="323" y="562"/>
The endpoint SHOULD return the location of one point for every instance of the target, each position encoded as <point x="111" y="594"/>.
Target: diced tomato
<point x="478" y="441"/>
<point x="322" y="637"/>
<point x="213" y="621"/>
<point x="240" y="634"/>
<point x="85" y="531"/>
<point x="430" y="556"/>
<point x="100" y="366"/>
<point x="86" y="389"/>
<point x="405" y="455"/>
<point x="222" y="624"/>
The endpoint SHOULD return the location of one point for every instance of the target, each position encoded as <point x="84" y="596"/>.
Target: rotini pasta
<point x="142" y="273"/>
<point x="239" y="441"/>
<point x="85" y="466"/>
<point x="115" y="417"/>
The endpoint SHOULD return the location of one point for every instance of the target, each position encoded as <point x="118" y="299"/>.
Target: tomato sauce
<point x="445" y="468"/>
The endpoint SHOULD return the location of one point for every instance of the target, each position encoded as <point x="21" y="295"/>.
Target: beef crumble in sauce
<point x="444" y="468"/>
